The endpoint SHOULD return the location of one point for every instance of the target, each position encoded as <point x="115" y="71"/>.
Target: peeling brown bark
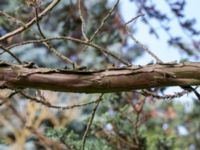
<point x="99" y="81"/>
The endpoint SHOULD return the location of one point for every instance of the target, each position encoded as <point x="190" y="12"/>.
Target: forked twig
<point x="90" y="122"/>
<point x="104" y="20"/>
<point x="47" y="104"/>
<point x="47" y="44"/>
<point x="137" y="41"/>
<point x="101" y="49"/>
<point x="30" y="23"/>
<point x="83" y="23"/>
<point x="10" y="53"/>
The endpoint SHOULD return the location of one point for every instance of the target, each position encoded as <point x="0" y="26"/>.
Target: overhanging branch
<point x="99" y="81"/>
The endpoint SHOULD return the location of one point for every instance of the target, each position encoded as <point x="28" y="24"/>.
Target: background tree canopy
<point x="41" y="41"/>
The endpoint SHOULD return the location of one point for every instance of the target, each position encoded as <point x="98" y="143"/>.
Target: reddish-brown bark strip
<point x="110" y="80"/>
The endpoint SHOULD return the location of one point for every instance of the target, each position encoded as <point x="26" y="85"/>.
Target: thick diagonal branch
<point x="100" y="81"/>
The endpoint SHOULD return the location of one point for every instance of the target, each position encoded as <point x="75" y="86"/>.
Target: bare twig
<point x="37" y="22"/>
<point x="104" y="20"/>
<point x="47" y="44"/>
<point x="138" y="114"/>
<point x="51" y="39"/>
<point x="172" y="96"/>
<point x="47" y="104"/>
<point x="83" y="23"/>
<point x="133" y="19"/>
<point x="145" y="48"/>
<point x="97" y="31"/>
<point x="138" y="42"/>
<point x="9" y="52"/>
<point x="11" y="18"/>
<point x="90" y="122"/>
<point x="64" y="58"/>
<point x="6" y="99"/>
<point x="101" y="49"/>
<point x="3" y="100"/>
<point x="30" y="23"/>
<point x="138" y="108"/>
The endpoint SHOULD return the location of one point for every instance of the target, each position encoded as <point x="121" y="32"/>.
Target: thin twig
<point x="138" y="42"/>
<point x="11" y="18"/>
<point x="90" y="122"/>
<point x="145" y="48"/>
<point x="47" y="104"/>
<point x="138" y="114"/>
<point x="101" y="49"/>
<point x="176" y="95"/>
<point x="83" y="23"/>
<point x="9" y="52"/>
<point x="99" y="28"/>
<point x="30" y="23"/>
<point x="50" y="39"/>
<point x="6" y="99"/>
<point x="47" y="44"/>
<point x="104" y="20"/>
<point x="3" y="100"/>
<point x="133" y="19"/>
<point x="37" y="22"/>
